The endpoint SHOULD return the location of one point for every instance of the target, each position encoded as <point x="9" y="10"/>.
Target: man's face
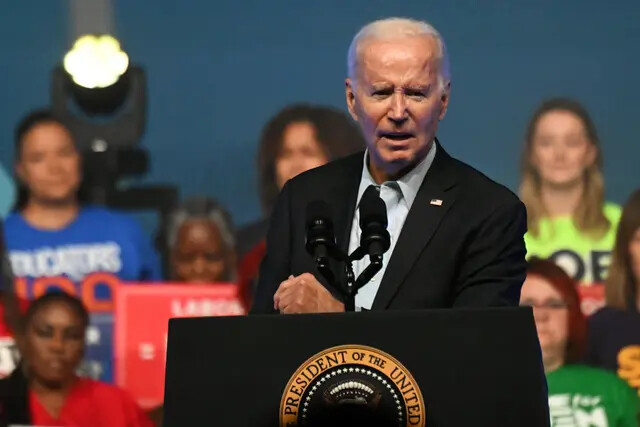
<point x="397" y="99"/>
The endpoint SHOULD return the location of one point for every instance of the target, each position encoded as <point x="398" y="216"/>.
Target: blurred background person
<point x="202" y="242"/>
<point x="51" y="232"/>
<point x="45" y="390"/>
<point x="562" y="187"/>
<point x="614" y="330"/>
<point x="298" y="138"/>
<point x="578" y="395"/>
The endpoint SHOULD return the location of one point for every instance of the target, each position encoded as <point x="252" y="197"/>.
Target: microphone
<point x="320" y="239"/>
<point x="375" y="238"/>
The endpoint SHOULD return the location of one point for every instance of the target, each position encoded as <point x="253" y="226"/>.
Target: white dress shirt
<point x="398" y="197"/>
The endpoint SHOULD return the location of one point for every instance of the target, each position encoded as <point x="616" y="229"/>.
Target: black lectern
<point x="471" y="367"/>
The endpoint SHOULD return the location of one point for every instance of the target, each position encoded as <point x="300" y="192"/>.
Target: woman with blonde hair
<point x="563" y="189"/>
<point x="614" y="331"/>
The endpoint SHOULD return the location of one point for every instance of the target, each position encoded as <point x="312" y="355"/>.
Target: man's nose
<point x="398" y="111"/>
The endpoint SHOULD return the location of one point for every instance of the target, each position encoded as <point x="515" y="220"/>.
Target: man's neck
<point x="50" y="216"/>
<point x="383" y="173"/>
<point x="561" y="201"/>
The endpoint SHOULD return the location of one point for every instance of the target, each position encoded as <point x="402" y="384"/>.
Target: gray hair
<point x="394" y="28"/>
<point x="198" y="208"/>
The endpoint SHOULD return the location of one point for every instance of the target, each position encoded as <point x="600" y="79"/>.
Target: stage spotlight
<point x="96" y="61"/>
<point x="97" y="74"/>
<point x="102" y="97"/>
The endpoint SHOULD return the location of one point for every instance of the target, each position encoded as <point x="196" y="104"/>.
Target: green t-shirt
<point x="585" y="259"/>
<point x="581" y="396"/>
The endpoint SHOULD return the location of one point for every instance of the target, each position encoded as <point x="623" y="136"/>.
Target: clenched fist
<point x="304" y="294"/>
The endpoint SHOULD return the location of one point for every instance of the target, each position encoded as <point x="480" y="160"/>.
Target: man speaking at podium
<point x="456" y="237"/>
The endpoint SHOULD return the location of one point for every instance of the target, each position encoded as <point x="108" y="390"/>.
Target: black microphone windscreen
<point x="372" y="208"/>
<point x="318" y="210"/>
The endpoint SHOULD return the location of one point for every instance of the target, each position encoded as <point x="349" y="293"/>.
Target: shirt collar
<point x="409" y="183"/>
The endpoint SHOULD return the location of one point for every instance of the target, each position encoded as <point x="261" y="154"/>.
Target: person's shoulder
<point x="116" y="399"/>
<point x="481" y="188"/>
<point x="612" y="211"/>
<point x="338" y="169"/>
<point x="594" y="373"/>
<point x="103" y="390"/>
<point x="13" y="219"/>
<point x="106" y="217"/>
<point x="590" y="374"/>
<point x="607" y="315"/>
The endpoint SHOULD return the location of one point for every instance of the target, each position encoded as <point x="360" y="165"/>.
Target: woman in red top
<point x="45" y="390"/>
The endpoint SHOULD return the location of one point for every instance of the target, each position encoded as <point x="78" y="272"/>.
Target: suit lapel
<point x="420" y="225"/>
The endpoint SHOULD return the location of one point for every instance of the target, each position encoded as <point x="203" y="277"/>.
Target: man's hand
<point x="304" y="294"/>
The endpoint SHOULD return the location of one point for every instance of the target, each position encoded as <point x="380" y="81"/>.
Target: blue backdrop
<point x="218" y="69"/>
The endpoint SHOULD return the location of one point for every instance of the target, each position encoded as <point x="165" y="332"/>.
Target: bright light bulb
<point x="96" y="61"/>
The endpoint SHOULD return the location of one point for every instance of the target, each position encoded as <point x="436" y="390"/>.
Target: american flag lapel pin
<point x="436" y="202"/>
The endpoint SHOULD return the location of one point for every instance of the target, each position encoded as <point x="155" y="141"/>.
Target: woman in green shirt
<point x="579" y="396"/>
<point x="562" y="187"/>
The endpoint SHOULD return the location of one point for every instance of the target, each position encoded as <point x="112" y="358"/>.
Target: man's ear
<point x="444" y="99"/>
<point x="350" y="95"/>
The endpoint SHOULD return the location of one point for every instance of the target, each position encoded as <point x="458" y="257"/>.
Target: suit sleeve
<point x="276" y="264"/>
<point x="493" y="267"/>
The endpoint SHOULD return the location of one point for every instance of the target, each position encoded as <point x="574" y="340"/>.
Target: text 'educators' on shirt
<point x="98" y="240"/>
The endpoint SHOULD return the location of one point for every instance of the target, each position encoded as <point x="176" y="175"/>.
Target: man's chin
<point x="398" y="158"/>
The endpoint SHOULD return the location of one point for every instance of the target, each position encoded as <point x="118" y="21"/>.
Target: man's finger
<point x="283" y="286"/>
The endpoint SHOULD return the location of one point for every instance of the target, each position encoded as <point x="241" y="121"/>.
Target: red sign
<point x="142" y="313"/>
<point x="591" y="298"/>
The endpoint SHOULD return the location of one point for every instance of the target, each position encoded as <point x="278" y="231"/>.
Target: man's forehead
<point x="413" y="58"/>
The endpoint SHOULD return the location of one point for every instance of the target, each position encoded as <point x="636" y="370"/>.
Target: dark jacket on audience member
<point x="613" y="342"/>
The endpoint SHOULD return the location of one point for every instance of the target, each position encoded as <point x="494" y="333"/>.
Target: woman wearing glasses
<point x="578" y="395"/>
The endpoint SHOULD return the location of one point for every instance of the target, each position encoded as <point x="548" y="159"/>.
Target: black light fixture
<point x="103" y="99"/>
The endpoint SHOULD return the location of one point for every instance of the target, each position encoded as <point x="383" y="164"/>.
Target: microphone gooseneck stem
<point x="350" y="295"/>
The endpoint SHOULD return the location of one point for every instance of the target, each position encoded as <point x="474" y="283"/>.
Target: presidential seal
<point x="352" y="385"/>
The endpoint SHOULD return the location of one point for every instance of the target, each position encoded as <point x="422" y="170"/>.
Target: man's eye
<point x="381" y="93"/>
